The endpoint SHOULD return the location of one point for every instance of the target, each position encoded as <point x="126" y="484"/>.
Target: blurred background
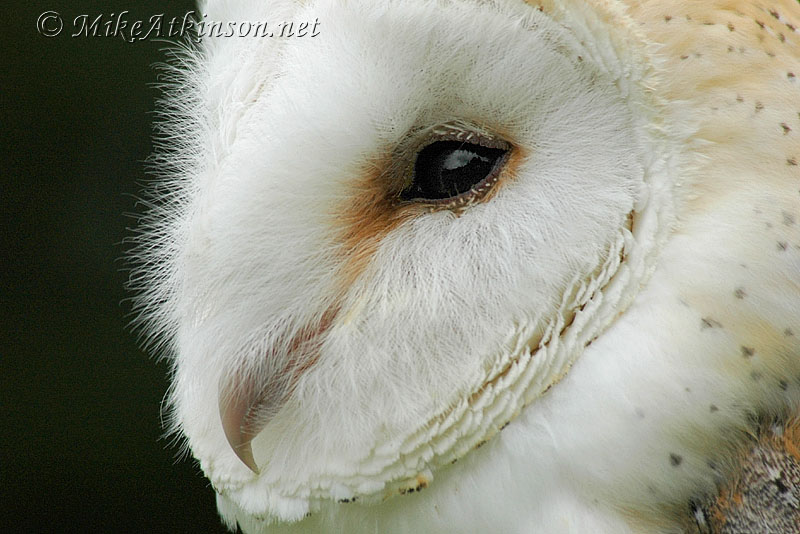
<point x="82" y="444"/>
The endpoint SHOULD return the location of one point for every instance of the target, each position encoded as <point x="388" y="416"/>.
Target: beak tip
<point x="244" y="452"/>
<point x="237" y="433"/>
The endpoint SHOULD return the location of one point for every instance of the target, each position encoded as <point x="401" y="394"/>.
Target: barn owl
<point x="478" y="265"/>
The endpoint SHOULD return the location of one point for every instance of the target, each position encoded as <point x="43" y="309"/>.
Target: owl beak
<point x="248" y="402"/>
<point x="234" y="414"/>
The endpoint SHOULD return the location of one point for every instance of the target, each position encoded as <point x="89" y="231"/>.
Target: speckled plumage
<point x="762" y="494"/>
<point x="736" y="64"/>
<point x="586" y="344"/>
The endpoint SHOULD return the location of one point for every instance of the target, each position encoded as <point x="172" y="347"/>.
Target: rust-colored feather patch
<point x="368" y="215"/>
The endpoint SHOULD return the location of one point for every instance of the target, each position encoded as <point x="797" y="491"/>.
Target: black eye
<point x="445" y="170"/>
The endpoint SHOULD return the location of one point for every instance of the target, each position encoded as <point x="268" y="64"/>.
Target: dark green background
<point x="82" y="444"/>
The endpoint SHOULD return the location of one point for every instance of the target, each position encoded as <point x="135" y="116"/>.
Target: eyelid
<point x="456" y="132"/>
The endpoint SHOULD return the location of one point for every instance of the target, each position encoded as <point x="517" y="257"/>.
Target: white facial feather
<point x="351" y="346"/>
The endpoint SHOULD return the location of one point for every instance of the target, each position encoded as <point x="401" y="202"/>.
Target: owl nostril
<point x="452" y="170"/>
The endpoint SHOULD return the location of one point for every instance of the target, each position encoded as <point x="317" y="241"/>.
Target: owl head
<point x="375" y="246"/>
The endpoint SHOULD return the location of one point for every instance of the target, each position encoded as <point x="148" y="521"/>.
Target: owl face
<point x="389" y="239"/>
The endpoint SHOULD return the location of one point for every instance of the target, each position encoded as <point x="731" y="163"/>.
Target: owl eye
<point x="454" y="171"/>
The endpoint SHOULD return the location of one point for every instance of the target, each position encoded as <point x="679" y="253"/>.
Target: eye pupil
<point x="447" y="169"/>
